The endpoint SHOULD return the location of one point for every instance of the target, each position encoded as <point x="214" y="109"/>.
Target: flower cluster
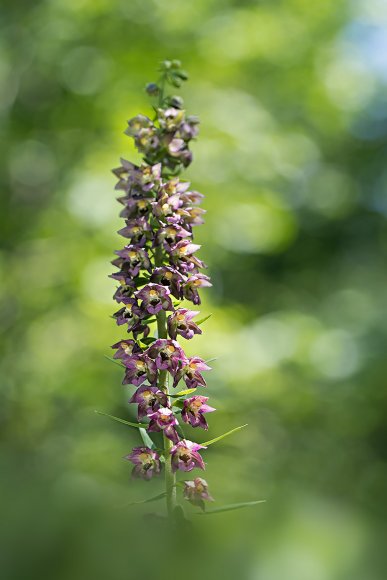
<point x="157" y="269"/>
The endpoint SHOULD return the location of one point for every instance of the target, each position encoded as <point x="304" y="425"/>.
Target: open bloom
<point x="136" y="230"/>
<point x="169" y="277"/>
<point x="139" y="368"/>
<point x="185" y="456"/>
<point x="154" y="298"/>
<point x="131" y="315"/>
<point x="164" y="420"/>
<point x="196" y="492"/>
<point x="146" y="462"/>
<point x="132" y="259"/>
<point x="180" y="322"/>
<point x="191" y="372"/>
<point x="193" y="411"/>
<point x="148" y="399"/>
<point x="182" y="255"/>
<point x="125" y="348"/>
<point x="190" y="288"/>
<point x="171" y="234"/>
<point x="167" y="354"/>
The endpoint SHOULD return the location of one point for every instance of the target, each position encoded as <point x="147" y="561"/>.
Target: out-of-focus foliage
<point x="291" y="156"/>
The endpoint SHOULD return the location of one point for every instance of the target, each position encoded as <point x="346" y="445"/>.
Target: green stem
<point x="170" y="478"/>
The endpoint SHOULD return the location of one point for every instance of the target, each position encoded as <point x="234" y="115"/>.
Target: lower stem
<point x="170" y="477"/>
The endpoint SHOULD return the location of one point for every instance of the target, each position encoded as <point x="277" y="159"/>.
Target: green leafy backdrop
<point x="291" y="157"/>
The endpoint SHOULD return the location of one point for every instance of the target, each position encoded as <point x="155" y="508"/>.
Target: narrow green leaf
<point x="114" y="361"/>
<point x="199" y="322"/>
<point x="140" y="281"/>
<point x="137" y="425"/>
<point x="231" y="507"/>
<point x="149" y="500"/>
<point x="178" y="404"/>
<point x="211" y="441"/>
<point x="146" y="439"/>
<point x="182" y="393"/>
<point x="148" y="340"/>
<point x="211" y="359"/>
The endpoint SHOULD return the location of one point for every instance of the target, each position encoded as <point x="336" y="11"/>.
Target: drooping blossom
<point x="139" y="368"/>
<point x="180" y="322"/>
<point x="185" y="456"/>
<point x="191" y="286"/>
<point x="125" y="348"/>
<point x="146" y="462"/>
<point x="154" y="297"/>
<point x="191" y="372"/>
<point x="167" y="354"/>
<point x="194" y="409"/>
<point x="170" y="278"/>
<point x="164" y="420"/>
<point x="148" y="399"/>
<point x="196" y="492"/>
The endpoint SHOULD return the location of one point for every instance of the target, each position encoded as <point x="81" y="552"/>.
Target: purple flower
<point x="132" y="259"/>
<point x="180" y="322"/>
<point x="155" y="297"/>
<point x="148" y="398"/>
<point x="176" y="147"/>
<point x="164" y="420"/>
<point x="166" y="205"/>
<point x="136" y="230"/>
<point x="189" y="128"/>
<point x="196" y="492"/>
<point x="185" y="456"/>
<point x="190" y="198"/>
<point x="169" y="277"/>
<point x="170" y="119"/>
<point x="135" y="208"/>
<point x="193" y="411"/>
<point x="146" y="462"/>
<point x="194" y="217"/>
<point x="126" y="287"/>
<point x="182" y="254"/>
<point x="125" y="348"/>
<point x="190" y="288"/>
<point x="126" y="315"/>
<point x="139" y="368"/>
<point x="167" y="354"/>
<point x="191" y="373"/>
<point x="136" y="124"/>
<point x="170" y="235"/>
<point x="137" y="180"/>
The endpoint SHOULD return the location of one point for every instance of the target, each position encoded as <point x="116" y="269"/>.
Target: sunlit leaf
<point x="182" y="393"/>
<point x="137" y="425"/>
<point x="146" y="439"/>
<point x="149" y="500"/>
<point x="148" y="340"/>
<point x="231" y="507"/>
<point x="211" y="441"/>
<point x="201" y="320"/>
<point x="114" y="361"/>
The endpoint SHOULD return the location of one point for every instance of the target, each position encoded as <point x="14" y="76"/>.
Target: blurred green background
<point x="291" y="156"/>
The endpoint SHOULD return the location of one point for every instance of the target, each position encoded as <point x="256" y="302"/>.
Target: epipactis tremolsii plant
<point x="158" y="268"/>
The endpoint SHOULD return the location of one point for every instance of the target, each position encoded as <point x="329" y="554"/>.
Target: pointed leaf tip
<point x="231" y="507"/>
<point x="211" y="441"/>
<point x="137" y="425"/>
<point x="202" y="320"/>
<point x="149" y="500"/>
